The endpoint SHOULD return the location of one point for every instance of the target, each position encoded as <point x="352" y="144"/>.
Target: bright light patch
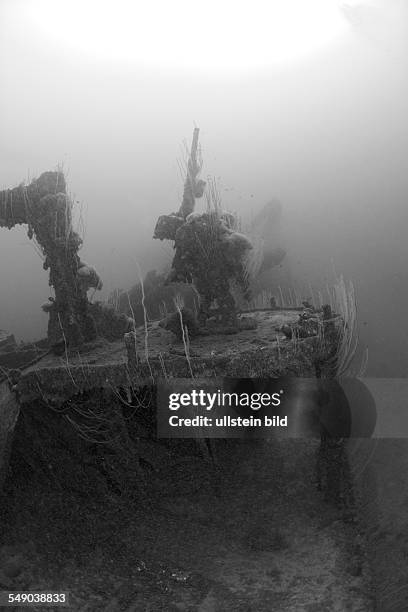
<point x="185" y="34"/>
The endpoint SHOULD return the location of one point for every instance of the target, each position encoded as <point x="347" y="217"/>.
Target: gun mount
<point x="46" y="209"/>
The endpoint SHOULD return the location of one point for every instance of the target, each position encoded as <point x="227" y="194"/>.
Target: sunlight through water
<point x="215" y="36"/>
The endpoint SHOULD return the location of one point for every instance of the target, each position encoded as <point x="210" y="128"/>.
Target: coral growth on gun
<point x="46" y="209"/>
<point x="209" y="251"/>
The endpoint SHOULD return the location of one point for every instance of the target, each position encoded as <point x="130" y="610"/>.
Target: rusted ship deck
<point x="152" y="352"/>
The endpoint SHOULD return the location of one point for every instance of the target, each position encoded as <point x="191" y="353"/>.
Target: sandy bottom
<point x="252" y="534"/>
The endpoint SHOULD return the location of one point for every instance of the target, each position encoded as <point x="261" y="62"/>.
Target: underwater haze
<point x="325" y="133"/>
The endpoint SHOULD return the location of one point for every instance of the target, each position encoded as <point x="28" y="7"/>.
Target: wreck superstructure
<point x="98" y="366"/>
<point x="91" y="346"/>
<point x="46" y="209"/>
<point x="210" y="252"/>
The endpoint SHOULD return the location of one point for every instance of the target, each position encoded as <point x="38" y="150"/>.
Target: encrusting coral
<point x="47" y="210"/>
<point x="211" y="255"/>
<point x="209" y="251"/>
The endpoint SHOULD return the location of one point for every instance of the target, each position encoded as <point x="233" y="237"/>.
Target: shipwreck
<point x="90" y="346"/>
<point x="82" y="401"/>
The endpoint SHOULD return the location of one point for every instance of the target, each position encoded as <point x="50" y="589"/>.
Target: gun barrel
<point x="15" y="204"/>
